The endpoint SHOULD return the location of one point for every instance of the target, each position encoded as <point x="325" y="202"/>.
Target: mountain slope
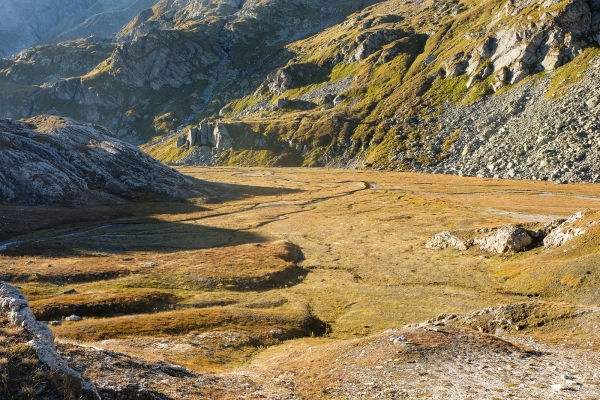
<point x="423" y="86"/>
<point x="177" y="62"/>
<point x="30" y="22"/>
<point x="436" y="87"/>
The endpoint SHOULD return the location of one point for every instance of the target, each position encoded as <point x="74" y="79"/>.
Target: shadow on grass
<point x="67" y="231"/>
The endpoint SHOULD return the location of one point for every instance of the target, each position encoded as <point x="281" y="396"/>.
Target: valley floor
<point x="219" y="286"/>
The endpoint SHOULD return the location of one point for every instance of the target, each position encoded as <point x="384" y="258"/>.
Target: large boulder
<point x="506" y="239"/>
<point x="278" y="81"/>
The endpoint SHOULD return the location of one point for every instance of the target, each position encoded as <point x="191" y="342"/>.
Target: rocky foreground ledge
<point x="52" y="160"/>
<point x="15" y="308"/>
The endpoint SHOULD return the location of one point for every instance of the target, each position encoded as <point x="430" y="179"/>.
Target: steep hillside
<point x="437" y="87"/>
<point x="176" y="63"/>
<point x="48" y="160"/>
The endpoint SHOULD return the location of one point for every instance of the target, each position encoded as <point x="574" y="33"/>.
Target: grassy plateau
<point x="296" y="256"/>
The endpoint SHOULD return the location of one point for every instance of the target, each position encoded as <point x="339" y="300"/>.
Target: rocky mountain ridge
<point x="32" y="22"/>
<point x="427" y="86"/>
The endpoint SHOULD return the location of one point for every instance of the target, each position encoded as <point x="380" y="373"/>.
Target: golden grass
<point x="224" y="267"/>
<point x="104" y="303"/>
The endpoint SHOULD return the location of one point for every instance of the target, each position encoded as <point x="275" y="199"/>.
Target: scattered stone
<point x="74" y="318"/>
<point x="55" y="323"/>
<point x="70" y="291"/>
<point x="443" y="240"/>
<point x="150" y="264"/>
<point x="128" y="259"/>
<point x="28" y="262"/>
<point x="400" y="340"/>
<point x="559" y="387"/>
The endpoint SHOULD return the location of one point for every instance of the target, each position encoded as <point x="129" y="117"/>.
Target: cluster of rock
<point x="502" y="319"/>
<point x="505" y="239"/>
<point x="51" y="160"/>
<point x="576" y="225"/>
<point x="15" y="307"/>
<point x="206" y="134"/>
<point x="510" y="239"/>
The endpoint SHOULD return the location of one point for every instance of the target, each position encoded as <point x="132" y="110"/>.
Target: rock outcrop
<point x="370" y="42"/>
<point x="15" y="307"/>
<point x="576" y="225"/>
<point x="444" y="240"/>
<point x="50" y="160"/>
<point x="554" y="35"/>
<point x="510" y="239"/>
<point x="210" y="135"/>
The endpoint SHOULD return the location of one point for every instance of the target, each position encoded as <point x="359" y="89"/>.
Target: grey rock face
<point x="162" y="58"/>
<point x="15" y="307"/>
<point x="519" y="50"/>
<point x="49" y="160"/>
<point x="278" y="81"/>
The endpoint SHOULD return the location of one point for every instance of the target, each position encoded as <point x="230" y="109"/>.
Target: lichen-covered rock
<point x="444" y="240"/>
<point x="50" y="160"/>
<point x="506" y="239"/>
